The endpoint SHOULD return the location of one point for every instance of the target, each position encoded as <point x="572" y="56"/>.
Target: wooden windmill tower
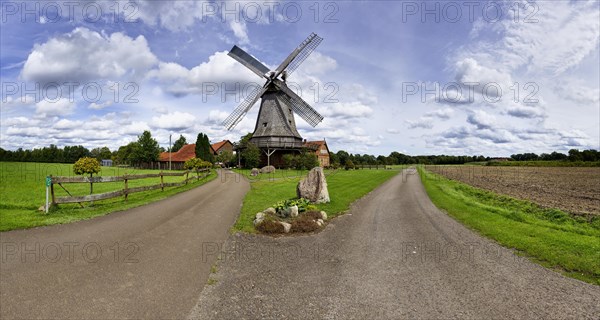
<point x="275" y="128"/>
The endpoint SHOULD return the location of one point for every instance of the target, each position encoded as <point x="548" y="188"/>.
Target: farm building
<point x="320" y="149"/>
<point x="222" y="146"/>
<point x="178" y="158"/>
<point x="189" y="151"/>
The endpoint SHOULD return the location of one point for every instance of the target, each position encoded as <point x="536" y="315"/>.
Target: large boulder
<point x="254" y="172"/>
<point x="267" y="169"/>
<point x="314" y="187"/>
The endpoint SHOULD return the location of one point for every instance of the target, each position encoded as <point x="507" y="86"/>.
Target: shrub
<point x="270" y="226"/>
<point x="349" y="165"/>
<point x="304" y="223"/>
<point x="86" y="165"/>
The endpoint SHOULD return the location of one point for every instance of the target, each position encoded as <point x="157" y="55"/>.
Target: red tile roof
<point x="184" y="154"/>
<point x="315" y="144"/>
<point x="218" y="145"/>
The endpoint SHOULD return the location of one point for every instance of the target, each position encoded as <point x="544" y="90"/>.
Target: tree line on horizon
<point x="146" y="150"/>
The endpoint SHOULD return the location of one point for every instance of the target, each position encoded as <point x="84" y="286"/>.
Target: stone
<point x="314" y="187"/>
<point x="260" y="217"/>
<point x="293" y="211"/>
<point x="320" y="222"/>
<point x="254" y="172"/>
<point x="270" y="211"/>
<point x="286" y="226"/>
<point x="42" y="208"/>
<point x="267" y="169"/>
<point x="323" y="215"/>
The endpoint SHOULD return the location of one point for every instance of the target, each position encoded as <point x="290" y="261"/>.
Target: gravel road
<point x="393" y="256"/>
<point x="143" y="263"/>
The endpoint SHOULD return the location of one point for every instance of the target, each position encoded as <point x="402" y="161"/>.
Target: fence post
<point x="162" y="184"/>
<point x="52" y="191"/>
<point x="186" y="176"/>
<point x="126" y="187"/>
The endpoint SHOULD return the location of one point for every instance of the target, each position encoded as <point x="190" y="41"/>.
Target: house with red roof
<point x="189" y="151"/>
<point x="320" y="148"/>
<point x="177" y="158"/>
<point x="221" y="147"/>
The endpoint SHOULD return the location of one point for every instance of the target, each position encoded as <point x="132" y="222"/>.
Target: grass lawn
<point x="344" y="187"/>
<point x="22" y="192"/>
<point x="549" y="237"/>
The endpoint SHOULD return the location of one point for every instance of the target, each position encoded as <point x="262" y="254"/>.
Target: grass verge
<point x="549" y="237"/>
<point x="344" y="187"/>
<point x="21" y="198"/>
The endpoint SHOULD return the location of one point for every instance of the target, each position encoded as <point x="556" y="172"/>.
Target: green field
<point x="22" y="192"/>
<point x="550" y="237"/>
<point x="344" y="187"/>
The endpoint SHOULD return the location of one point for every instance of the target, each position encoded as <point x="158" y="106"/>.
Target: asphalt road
<point x="143" y="263"/>
<point x="394" y="256"/>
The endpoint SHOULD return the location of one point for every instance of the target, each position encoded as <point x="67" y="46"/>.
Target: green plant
<point x="86" y="165"/>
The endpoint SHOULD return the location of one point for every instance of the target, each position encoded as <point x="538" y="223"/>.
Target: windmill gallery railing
<point x="126" y="189"/>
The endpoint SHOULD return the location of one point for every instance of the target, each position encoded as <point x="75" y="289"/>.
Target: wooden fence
<point x="123" y="192"/>
<point x="372" y="166"/>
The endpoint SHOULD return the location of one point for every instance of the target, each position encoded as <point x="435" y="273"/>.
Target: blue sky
<point x="415" y="77"/>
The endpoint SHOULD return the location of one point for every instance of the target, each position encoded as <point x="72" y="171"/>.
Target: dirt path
<point x="395" y="256"/>
<point x="143" y="263"/>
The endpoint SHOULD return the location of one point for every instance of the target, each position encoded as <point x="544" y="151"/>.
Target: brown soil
<point x="572" y="189"/>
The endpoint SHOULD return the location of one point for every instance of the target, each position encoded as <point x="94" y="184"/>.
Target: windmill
<point x="275" y="126"/>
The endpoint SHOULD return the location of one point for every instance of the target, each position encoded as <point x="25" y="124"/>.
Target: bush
<point x="196" y="164"/>
<point x="304" y="223"/>
<point x="86" y="165"/>
<point x="270" y="226"/>
<point x="301" y="203"/>
<point x="349" y="165"/>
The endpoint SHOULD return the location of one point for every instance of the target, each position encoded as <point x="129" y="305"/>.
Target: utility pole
<point x="170" y="152"/>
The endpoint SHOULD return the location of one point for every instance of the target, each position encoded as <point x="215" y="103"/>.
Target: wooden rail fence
<point x="123" y="192"/>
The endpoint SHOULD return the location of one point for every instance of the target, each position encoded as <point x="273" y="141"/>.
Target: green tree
<point x="146" y="150"/>
<point x="89" y="166"/>
<point x="251" y="156"/>
<point x="203" y="150"/>
<point x="179" y="143"/>
<point x="225" y="157"/>
<point x="196" y="164"/>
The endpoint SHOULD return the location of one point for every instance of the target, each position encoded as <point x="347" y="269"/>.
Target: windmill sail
<point x="279" y="103"/>
<point x="249" y="61"/>
<point x="299" y="106"/>
<point x="236" y="116"/>
<point x="300" y="52"/>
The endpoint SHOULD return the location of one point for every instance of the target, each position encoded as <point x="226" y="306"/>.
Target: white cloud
<point x="91" y="56"/>
<point x="100" y="106"/>
<point x="421" y="123"/>
<point x="346" y="110"/>
<point x="240" y="31"/>
<point x="61" y="107"/>
<point x="481" y="119"/>
<point x="178" y="121"/>
<point x="318" y="64"/>
<point x="219" y="70"/>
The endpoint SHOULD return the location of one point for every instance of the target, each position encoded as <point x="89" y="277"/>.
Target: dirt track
<point x="150" y="264"/>
<point x="395" y="256"/>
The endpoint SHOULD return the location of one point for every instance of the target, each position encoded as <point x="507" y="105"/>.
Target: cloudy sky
<point x="491" y="78"/>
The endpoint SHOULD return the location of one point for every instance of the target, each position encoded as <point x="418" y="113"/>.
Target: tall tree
<point x="146" y="150"/>
<point x="179" y="143"/>
<point x="203" y="150"/>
